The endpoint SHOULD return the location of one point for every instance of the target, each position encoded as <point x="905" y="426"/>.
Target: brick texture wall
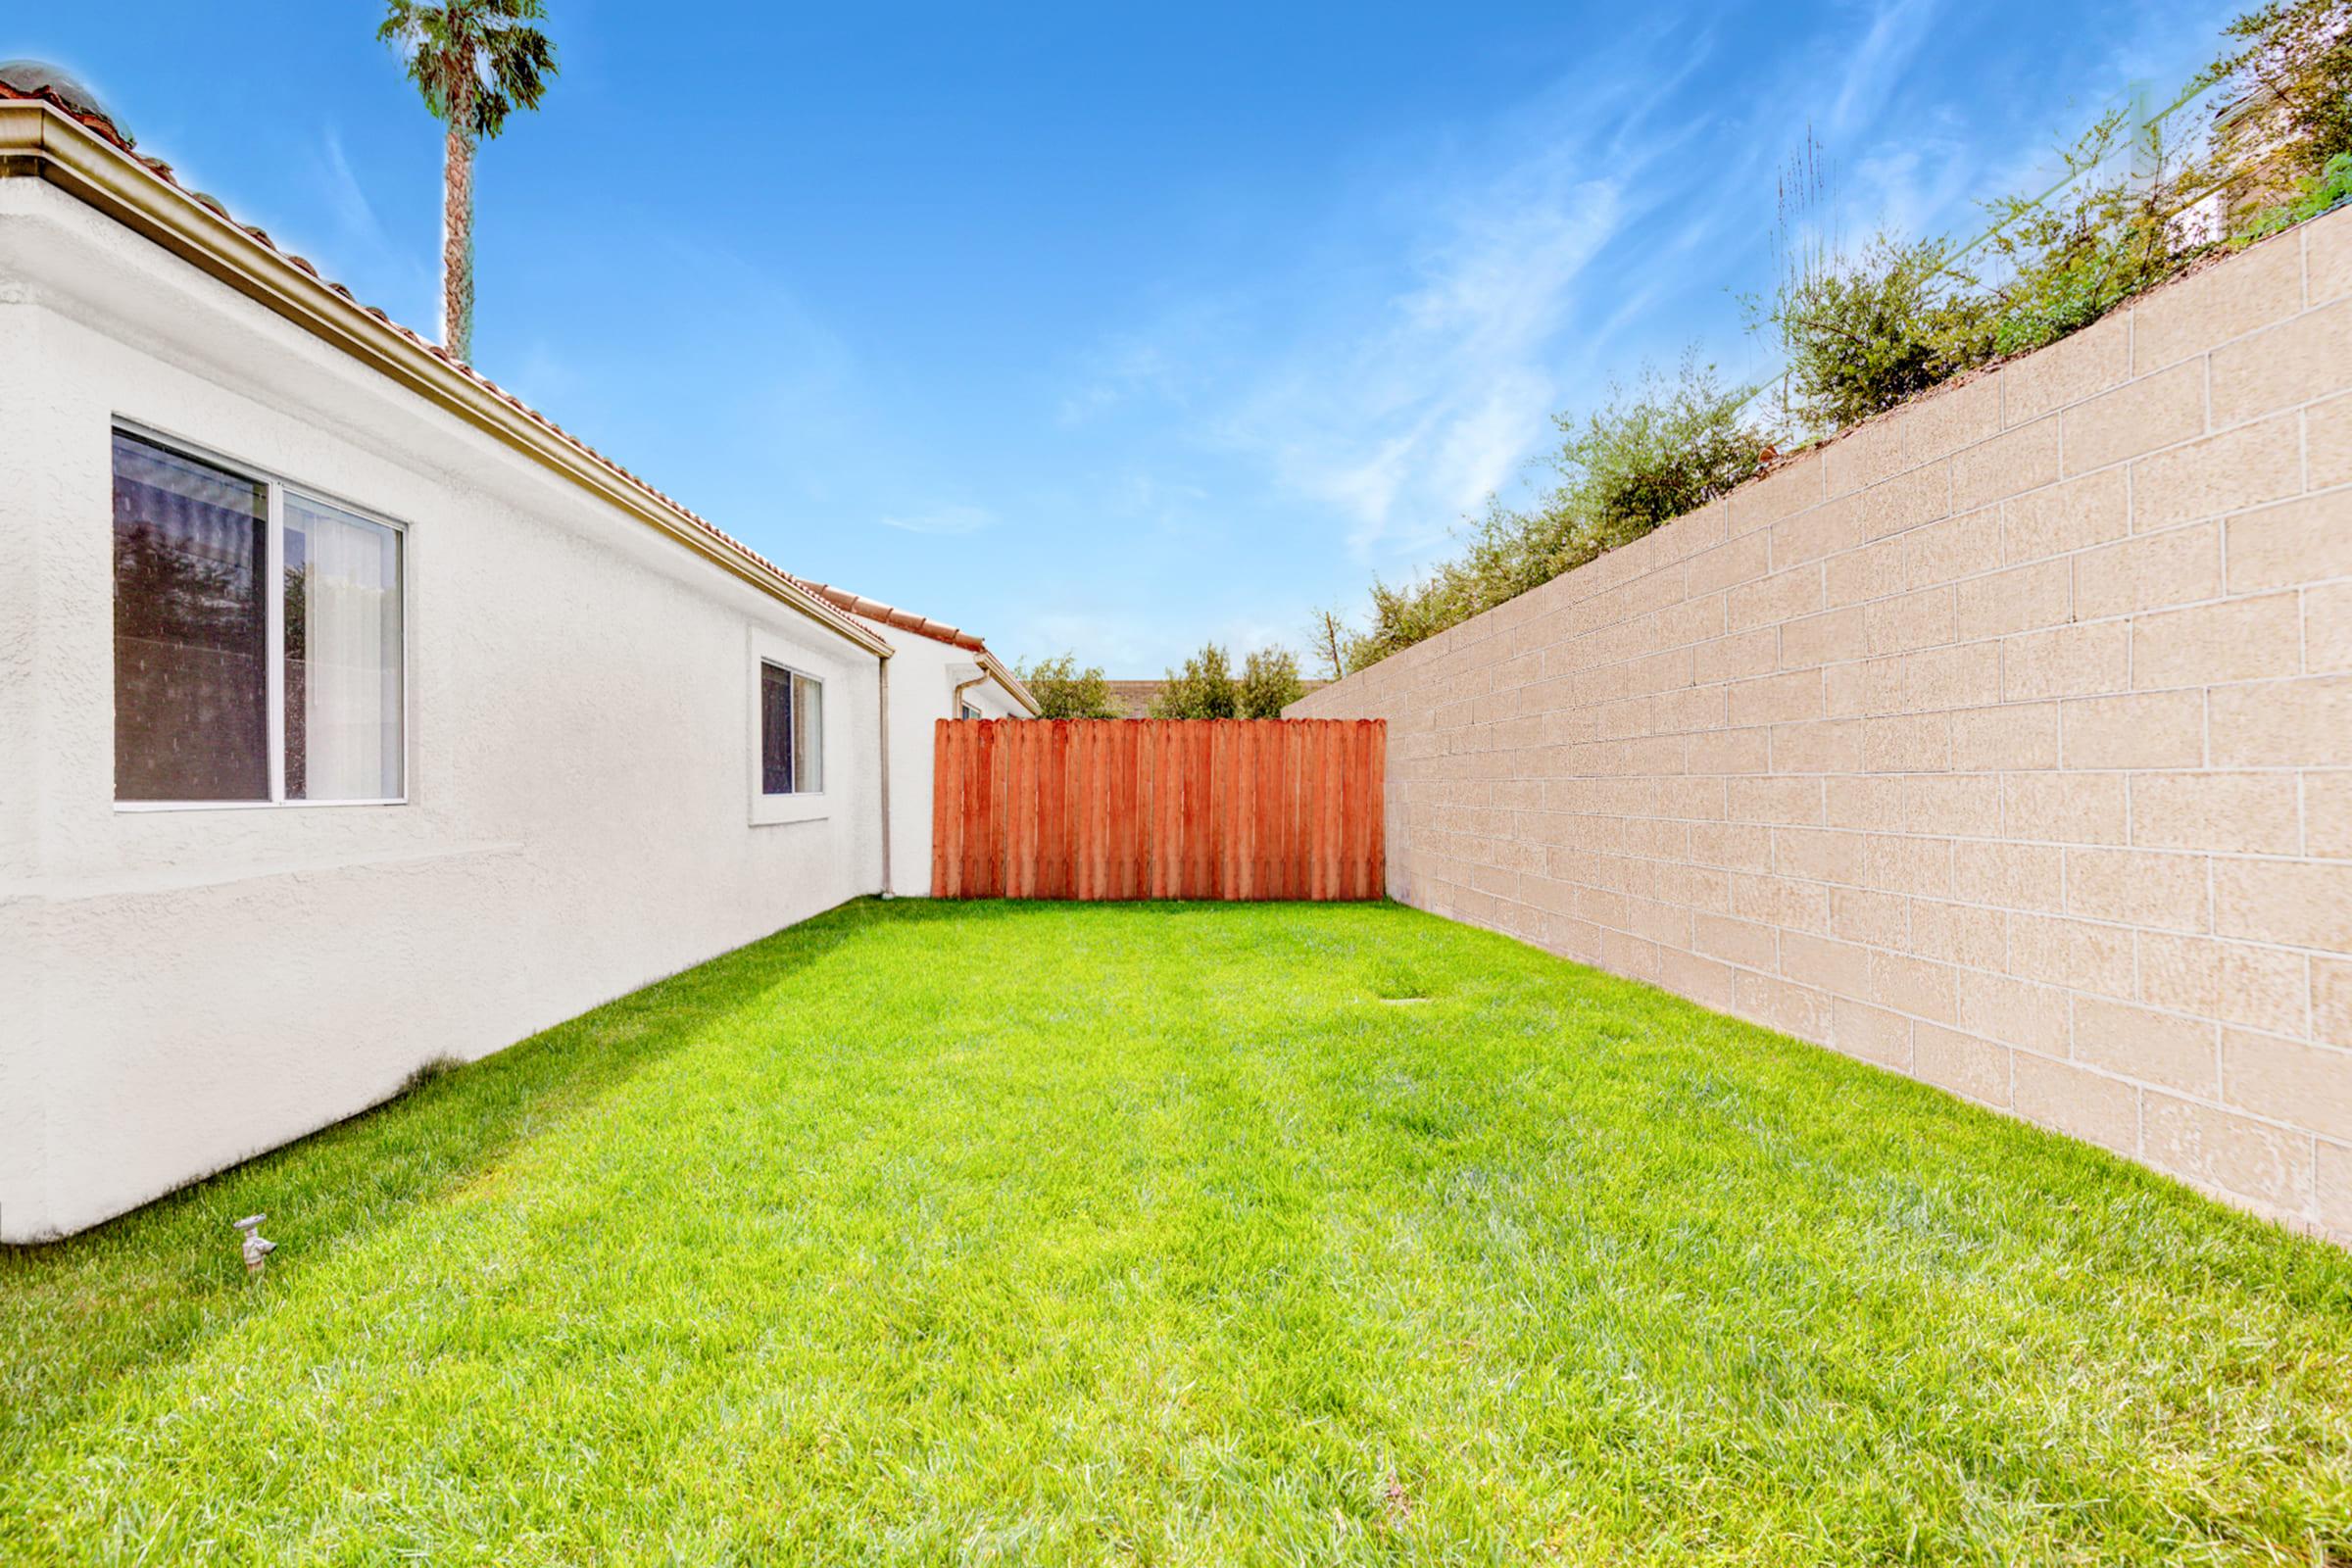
<point x="2005" y="742"/>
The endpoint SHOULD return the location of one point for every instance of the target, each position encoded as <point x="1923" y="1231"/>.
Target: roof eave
<point x="40" y="141"/>
<point x="1009" y="681"/>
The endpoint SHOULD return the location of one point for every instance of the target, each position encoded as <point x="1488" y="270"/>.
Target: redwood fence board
<point x="1159" y="808"/>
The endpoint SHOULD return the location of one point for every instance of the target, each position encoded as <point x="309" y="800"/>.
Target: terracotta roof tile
<point x="891" y="615"/>
<point x="923" y="626"/>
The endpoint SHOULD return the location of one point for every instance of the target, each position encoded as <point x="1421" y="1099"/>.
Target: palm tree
<point x="475" y="62"/>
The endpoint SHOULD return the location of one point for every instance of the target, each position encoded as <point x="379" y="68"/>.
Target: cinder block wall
<point x="2005" y="742"/>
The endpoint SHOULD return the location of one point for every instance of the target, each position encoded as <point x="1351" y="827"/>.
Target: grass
<point x="1176" y="1234"/>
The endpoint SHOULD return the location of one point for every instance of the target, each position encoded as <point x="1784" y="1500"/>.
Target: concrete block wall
<point x="2005" y="742"/>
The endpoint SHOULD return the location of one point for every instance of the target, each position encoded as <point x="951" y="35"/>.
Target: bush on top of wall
<point x="1866" y="331"/>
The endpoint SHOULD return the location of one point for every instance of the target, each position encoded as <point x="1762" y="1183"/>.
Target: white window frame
<point x="273" y="633"/>
<point x="806" y="805"/>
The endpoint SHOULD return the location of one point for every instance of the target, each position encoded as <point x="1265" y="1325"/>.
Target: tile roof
<point x="939" y="631"/>
<point x="104" y="130"/>
<point x="1135" y="696"/>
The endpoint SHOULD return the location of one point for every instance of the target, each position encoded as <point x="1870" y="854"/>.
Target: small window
<point x="227" y="690"/>
<point x="792" y="732"/>
<point x="969" y="711"/>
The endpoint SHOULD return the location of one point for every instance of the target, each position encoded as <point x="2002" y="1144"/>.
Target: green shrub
<point x="1064" y="691"/>
<point x="1645" y="458"/>
<point x="1402" y="615"/>
<point x="1203" y="689"/>
<point x="2324" y="192"/>
<point x="2068" y="259"/>
<point x="1664" y="448"/>
<point x="1269" y="683"/>
<point x="1864" y="333"/>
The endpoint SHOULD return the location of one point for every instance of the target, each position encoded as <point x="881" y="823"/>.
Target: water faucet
<point x="258" y="1246"/>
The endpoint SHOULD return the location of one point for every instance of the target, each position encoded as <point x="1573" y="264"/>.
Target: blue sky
<point x="1111" y="327"/>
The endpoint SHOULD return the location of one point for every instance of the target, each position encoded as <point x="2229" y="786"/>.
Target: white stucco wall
<point x="179" y="990"/>
<point x="923" y="676"/>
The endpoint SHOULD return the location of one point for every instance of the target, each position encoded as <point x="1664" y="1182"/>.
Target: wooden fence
<point x="1157" y="808"/>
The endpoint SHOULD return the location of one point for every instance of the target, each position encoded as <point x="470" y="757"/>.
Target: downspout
<point x="883" y="668"/>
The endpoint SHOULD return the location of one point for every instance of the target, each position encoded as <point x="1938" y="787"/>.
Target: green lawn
<point x="1176" y="1234"/>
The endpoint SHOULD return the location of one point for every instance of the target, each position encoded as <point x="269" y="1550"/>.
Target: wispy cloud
<point x="1139" y="365"/>
<point x="1126" y="640"/>
<point x="1898" y="30"/>
<point x="1405" y="361"/>
<point x="1133" y="635"/>
<point x="1406" y="418"/>
<point x="546" y="376"/>
<point x="953" y="518"/>
<point x="1169" y="508"/>
<point x="1908" y="189"/>
<point x="356" y="248"/>
<point x="346" y="198"/>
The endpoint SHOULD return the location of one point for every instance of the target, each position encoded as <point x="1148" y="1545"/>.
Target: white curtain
<point x="808" y="735"/>
<point x="351" y="653"/>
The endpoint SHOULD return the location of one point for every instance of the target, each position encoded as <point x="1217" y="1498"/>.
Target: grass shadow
<point x="78" y="1313"/>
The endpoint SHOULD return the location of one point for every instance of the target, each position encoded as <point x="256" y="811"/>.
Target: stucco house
<point x="352" y="714"/>
<point x="936" y="672"/>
